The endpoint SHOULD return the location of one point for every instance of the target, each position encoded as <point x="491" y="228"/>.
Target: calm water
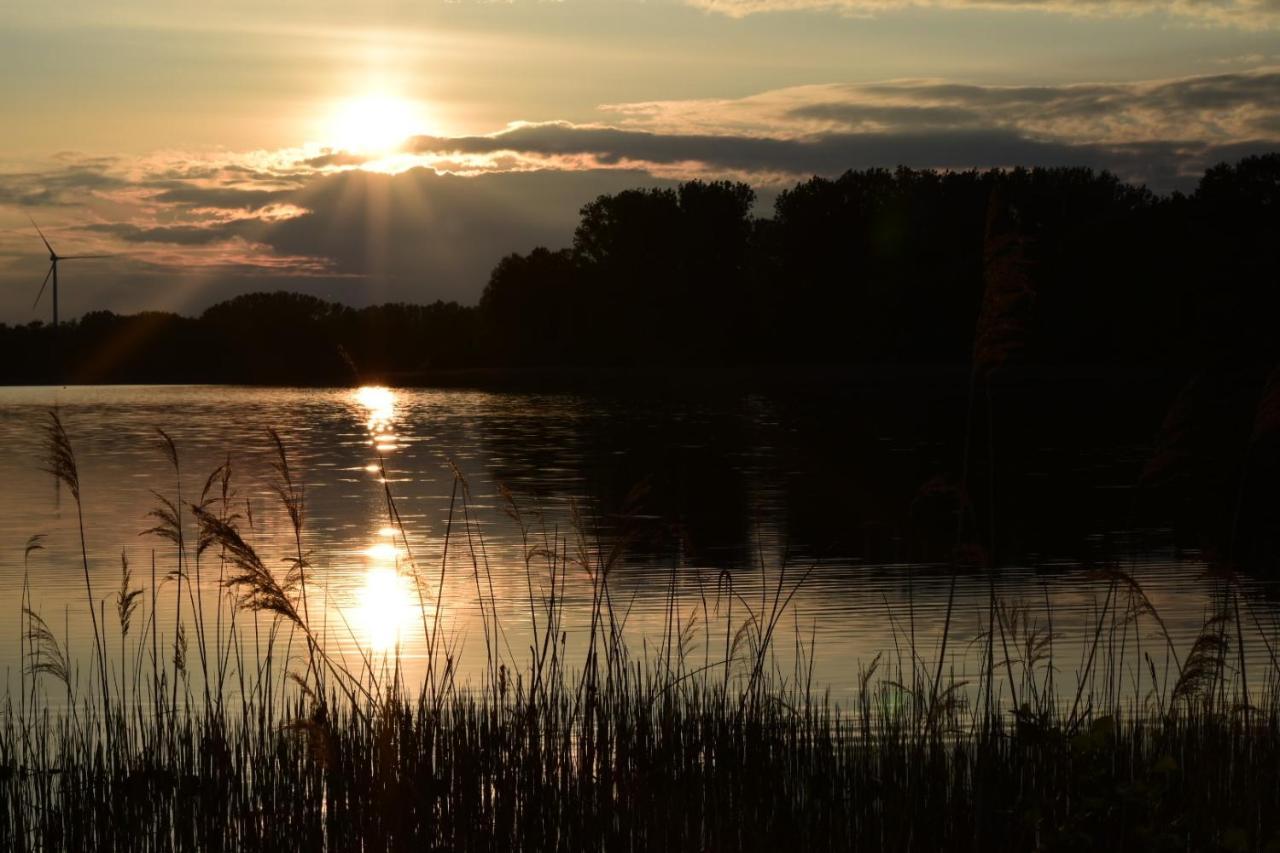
<point x="732" y="486"/>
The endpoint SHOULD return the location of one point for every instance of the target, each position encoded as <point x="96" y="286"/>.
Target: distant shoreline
<point x="736" y="379"/>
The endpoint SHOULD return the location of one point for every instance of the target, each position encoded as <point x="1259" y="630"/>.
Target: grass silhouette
<point x="703" y="739"/>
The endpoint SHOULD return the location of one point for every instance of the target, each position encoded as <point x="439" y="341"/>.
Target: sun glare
<point x="384" y="607"/>
<point x="384" y="603"/>
<point x="373" y="124"/>
<point x="380" y="405"/>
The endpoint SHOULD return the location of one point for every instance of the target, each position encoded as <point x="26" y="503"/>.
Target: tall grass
<point x="705" y="737"/>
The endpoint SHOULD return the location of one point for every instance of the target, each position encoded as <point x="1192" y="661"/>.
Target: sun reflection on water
<point x="382" y="552"/>
<point x="384" y="603"/>
<point x="380" y="405"/>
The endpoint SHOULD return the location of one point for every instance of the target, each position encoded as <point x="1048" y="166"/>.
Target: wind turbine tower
<point x="54" y="258"/>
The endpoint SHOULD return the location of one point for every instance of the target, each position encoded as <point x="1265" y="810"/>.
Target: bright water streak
<point x="553" y="451"/>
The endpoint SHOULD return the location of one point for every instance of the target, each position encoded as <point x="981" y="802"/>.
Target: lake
<point x="716" y="493"/>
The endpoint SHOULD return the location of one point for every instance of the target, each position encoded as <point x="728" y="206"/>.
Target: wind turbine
<point x="54" y="257"/>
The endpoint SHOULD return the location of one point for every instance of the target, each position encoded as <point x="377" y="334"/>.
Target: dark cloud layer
<point x="1190" y="97"/>
<point x="51" y="188"/>
<point x="1163" y="133"/>
<point x="1165" y="165"/>
<point x="178" y="235"/>
<point x="229" y="198"/>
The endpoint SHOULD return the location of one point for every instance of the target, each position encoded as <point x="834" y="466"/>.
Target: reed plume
<point x="60" y="461"/>
<point x="257" y="586"/>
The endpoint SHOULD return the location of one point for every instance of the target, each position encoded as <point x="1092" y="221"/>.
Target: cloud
<point x="60" y="187"/>
<point x="178" y="235"/>
<point x="230" y="198"/>
<point x="413" y="234"/>
<point x="421" y="235"/>
<point x="776" y="161"/>
<point x="1245" y="14"/>
<point x="354" y="235"/>
<point x="431" y="220"/>
<point x="1210" y="108"/>
<point x="783" y="160"/>
<point x="1163" y="133"/>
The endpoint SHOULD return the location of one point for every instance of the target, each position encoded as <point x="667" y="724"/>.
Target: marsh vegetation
<point x="240" y="729"/>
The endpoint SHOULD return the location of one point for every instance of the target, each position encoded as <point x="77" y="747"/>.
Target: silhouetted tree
<point x="535" y="309"/>
<point x="666" y="272"/>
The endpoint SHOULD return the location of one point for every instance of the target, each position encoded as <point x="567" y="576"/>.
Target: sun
<point x="373" y="124"/>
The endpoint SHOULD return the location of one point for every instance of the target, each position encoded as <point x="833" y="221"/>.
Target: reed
<point x="708" y="739"/>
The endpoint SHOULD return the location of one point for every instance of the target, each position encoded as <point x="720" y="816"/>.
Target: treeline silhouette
<point x="881" y="267"/>
<point x="1050" y="266"/>
<point x="259" y="338"/>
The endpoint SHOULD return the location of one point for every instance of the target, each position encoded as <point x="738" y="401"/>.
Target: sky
<point x="395" y="151"/>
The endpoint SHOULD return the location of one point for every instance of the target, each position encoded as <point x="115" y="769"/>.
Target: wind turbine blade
<point x="42" y="286"/>
<point x="82" y="257"/>
<point x="41" y="233"/>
